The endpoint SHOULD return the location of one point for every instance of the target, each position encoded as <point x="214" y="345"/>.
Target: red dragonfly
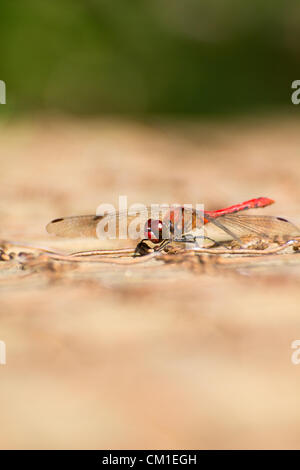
<point x="220" y="225"/>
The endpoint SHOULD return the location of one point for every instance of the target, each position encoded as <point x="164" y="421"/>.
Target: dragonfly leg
<point x="146" y="246"/>
<point x="215" y="242"/>
<point x="188" y="238"/>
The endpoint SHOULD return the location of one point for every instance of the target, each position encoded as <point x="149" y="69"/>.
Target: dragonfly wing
<point x="72" y="227"/>
<point x="87" y="225"/>
<point x="260" y="226"/>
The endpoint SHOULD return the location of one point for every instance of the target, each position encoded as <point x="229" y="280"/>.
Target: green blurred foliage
<point x="149" y="56"/>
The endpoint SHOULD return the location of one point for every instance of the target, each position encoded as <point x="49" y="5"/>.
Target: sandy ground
<point x="158" y="355"/>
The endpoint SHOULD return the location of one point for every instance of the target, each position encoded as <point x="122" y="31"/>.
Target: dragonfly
<point x="219" y="225"/>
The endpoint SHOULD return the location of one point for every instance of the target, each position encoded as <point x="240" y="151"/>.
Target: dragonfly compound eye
<point x="153" y="230"/>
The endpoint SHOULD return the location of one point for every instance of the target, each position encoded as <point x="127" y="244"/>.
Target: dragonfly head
<point x="154" y="230"/>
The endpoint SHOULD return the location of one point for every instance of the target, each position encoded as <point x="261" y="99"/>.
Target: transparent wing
<point x="244" y="225"/>
<point x="86" y="225"/>
<point x="72" y="227"/>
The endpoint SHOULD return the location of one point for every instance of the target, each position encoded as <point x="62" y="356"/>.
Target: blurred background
<point x="162" y="101"/>
<point x="143" y="58"/>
